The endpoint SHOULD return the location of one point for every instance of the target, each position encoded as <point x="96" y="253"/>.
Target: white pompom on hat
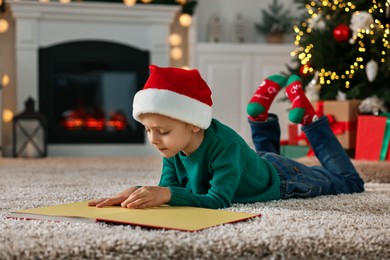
<point x="177" y="93"/>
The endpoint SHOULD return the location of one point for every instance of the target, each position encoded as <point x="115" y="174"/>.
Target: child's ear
<point x="195" y="129"/>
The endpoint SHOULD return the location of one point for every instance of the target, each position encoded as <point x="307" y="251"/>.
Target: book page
<point x="166" y="217"/>
<point x="77" y="209"/>
<point x="179" y="218"/>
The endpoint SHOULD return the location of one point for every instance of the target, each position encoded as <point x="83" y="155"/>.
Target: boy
<point x="207" y="164"/>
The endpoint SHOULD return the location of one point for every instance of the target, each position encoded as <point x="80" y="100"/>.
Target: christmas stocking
<point x="302" y="112"/>
<point x="259" y="104"/>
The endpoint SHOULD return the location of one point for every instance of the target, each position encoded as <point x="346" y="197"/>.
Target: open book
<point x="165" y="217"/>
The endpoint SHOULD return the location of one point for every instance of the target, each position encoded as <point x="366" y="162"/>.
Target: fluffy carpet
<point x="353" y="226"/>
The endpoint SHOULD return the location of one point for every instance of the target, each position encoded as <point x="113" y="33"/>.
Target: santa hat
<point x="177" y="93"/>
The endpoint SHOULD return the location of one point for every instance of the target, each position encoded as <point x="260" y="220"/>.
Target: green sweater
<point x="222" y="171"/>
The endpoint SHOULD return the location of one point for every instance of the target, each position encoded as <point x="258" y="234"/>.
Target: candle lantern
<point x="30" y="132"/>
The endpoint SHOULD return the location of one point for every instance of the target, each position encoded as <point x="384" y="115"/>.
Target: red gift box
<point x="292" y="134"/>
<point x="371" y="138"/>
<point x="296" y="136"/>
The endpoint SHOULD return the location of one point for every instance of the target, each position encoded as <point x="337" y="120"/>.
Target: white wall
<point x="227" y="10"/>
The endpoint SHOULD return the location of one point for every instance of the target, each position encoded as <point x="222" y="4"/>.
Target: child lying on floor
<point x="207" y="164"/>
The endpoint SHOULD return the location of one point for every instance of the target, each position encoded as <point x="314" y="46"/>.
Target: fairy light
<point x="176" y="53"/>
<point x="185" y="20"/>
<point x="7" y="115"/>
<point x="3" y="25"/>
<point x="129" y="2"/>
<point x="175" y="39"/>
<point x="304" y="53"/>
<point x="4" y="80"/>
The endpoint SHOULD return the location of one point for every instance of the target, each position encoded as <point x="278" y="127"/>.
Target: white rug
<point x="330" y="227"/>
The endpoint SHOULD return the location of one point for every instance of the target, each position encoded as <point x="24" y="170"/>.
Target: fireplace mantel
<point x="42" y="24"/>
<point x="37" y="25"/>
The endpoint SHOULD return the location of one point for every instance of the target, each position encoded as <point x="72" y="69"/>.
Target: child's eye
<point x="164" y="132"/>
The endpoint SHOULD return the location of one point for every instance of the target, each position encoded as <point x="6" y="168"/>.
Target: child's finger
<point x="141" y="203"/>
<point x="95" y="202"/>
<point x="109" y="202"/>
<point x="134" y="200"/>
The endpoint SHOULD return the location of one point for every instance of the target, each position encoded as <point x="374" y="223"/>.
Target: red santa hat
<point x="177" y="93"/>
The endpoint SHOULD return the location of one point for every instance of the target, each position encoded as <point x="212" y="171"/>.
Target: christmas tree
<point x="343" y="47"/>
<point x="275" y="19"/>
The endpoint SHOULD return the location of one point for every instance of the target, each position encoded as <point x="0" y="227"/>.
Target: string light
<point x="4" y="80"/>
<point x="3" y="26"/>
<point x="176" y="53"/>
<point x="185" y="20"/>
<point x="7" y="115"/>
<point x="304" y="53"/>
<point x="129" y="2"/>
<point x="175" y="39"/>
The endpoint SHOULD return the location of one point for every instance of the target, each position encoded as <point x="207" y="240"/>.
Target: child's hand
<point x="134" y="197"/>
<point x="147" y="197"/>
<point x="116" y="200"/>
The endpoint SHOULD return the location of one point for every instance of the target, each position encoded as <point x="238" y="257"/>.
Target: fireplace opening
<point x="86" y="89"/>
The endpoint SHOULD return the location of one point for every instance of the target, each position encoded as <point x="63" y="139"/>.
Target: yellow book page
<point x="168" y="217"/>
<point x="77" y="209"/>
<point x="180" y="218"/>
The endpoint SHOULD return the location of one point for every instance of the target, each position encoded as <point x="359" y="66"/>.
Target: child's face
<point x="171" y="136"/>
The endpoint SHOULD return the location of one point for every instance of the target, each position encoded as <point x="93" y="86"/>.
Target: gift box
<point x="295" y="135"/>
<point x="342" y="116"/>
<point x="292" y="134"/>
<point x="373" y="137"/>
<point x="294" y="151"/>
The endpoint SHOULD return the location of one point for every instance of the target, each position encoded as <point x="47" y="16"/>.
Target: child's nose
<point x="153" y="138"/>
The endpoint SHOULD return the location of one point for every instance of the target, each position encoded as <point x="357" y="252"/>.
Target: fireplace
<point x="96" y="125"/>
<point x="86" y="90"/>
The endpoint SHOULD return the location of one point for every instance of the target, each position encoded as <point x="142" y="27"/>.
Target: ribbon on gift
<point x="386" y="138"/>
<point x="337" y="127"/>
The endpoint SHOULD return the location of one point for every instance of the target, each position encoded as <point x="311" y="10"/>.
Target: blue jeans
<point x="336" y="174"/>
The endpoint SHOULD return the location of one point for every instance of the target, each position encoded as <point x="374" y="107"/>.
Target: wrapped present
<point x="342" y="116"/>
<point x="376" y="147"/>
<point x="292" y="134"/>
<point x="296" y="136"/>
<point x="294" y="151"/>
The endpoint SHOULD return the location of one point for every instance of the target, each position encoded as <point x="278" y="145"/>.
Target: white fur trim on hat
<point x="172" y="104"/>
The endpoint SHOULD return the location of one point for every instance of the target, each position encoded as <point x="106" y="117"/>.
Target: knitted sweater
<point x="222" y="171"/>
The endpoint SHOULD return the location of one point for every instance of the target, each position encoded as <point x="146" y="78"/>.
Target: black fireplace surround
<point x="86" y="90"/>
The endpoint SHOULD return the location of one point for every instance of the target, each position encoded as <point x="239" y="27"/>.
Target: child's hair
<point x="177" y="93"/>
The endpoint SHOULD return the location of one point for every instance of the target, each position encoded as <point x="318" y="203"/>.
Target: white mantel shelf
<point x="94" y="11"/>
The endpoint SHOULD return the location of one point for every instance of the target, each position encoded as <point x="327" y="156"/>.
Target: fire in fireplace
<point x="86" y="90"/>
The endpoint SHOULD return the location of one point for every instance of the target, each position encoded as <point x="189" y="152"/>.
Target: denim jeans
<point x="336" y="174"/>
